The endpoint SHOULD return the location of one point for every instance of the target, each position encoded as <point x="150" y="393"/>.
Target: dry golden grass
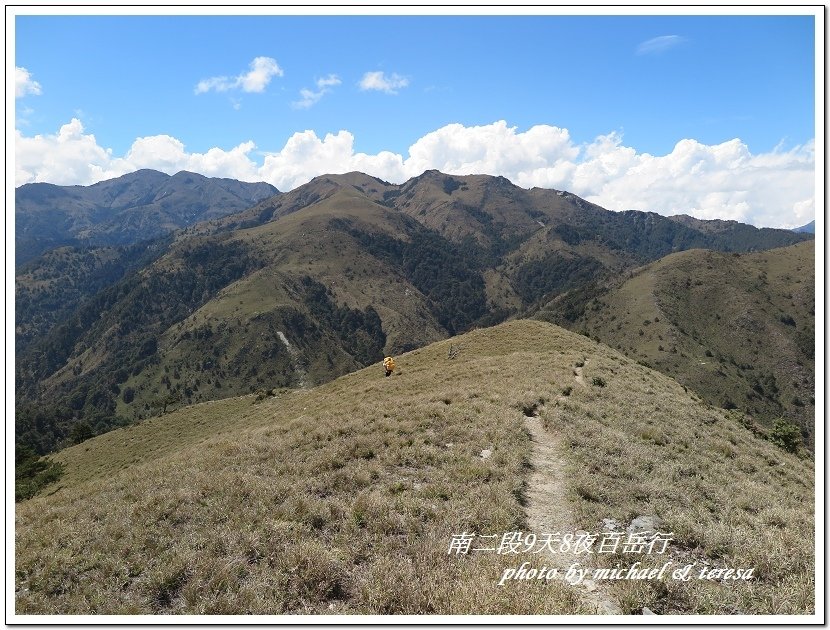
<point x="731" y="327"/>
<point x="344" y="498"/>
<point x="730" y="499"/>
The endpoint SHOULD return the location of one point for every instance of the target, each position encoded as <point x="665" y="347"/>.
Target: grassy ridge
<point x="731" y="499"/>
<point x="336" y="499"/>
<point x="344" y="498"/>
<point x="738" y="329"/>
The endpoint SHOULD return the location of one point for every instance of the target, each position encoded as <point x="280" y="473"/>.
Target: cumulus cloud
<point x="24" y="83"/>
<point x="74" y="157"/>
<point x="305" y="156"/>
<point x="380" y="82"/>
<point x="659" y="44"/>
<point x="167" y="154"/>
<point x="310" y="97"/>
<point x="67" y="157"/>
<point x="724" y="181"/>
<point x="262" y="70"/>
<point x="494" y="148"/>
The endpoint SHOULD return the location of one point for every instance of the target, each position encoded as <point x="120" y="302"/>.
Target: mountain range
<point x="135" y="207"/>
<point x="301" y="287"/>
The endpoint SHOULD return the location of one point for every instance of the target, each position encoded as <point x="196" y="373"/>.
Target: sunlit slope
<point x="344" y="498"/>
<point x="738" y="329"/>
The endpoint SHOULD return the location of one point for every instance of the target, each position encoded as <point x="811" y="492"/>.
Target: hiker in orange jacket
<point x="389" y="365"/>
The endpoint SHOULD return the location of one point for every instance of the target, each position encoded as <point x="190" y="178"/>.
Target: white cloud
<point x="724" y="181"/>
<point x="24" y="83"/>
<point x="68" y="157"/>
<point x="307" y="98"/>
<point x="262" y="70"/>
<point x="310" y="97"/>
<point x="659" y="44"/>
<point x="329" y="81"/>
<point x="380" y="82"/>
<point x="74" y="157"/>
<point x="305" y="156"/>
<point x="494" y="148"/>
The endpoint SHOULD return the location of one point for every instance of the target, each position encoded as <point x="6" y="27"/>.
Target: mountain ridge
<point x="344" y="270"/>
<point x="135" y="207"/>
<point x="809" y="228"/>
<point x="737" y="329"/>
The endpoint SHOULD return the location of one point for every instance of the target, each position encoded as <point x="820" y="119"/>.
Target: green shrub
<point x="786" y="435"/>
<point x="32" y="473"/>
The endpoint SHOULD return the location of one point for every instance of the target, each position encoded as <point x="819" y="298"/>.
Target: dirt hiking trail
<point x="548" y="508"/>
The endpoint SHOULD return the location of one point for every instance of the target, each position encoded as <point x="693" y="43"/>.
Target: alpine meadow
<point x="203" y="425"/>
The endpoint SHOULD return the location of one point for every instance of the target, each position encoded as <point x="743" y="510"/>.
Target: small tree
<point x="786" y="435"/>
<point x="81" y="432"/>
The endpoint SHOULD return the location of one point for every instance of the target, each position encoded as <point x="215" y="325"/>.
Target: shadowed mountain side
<point x="809" y="228"/>
<point x="50" y="288"/>
<point x="125" y="210"/>
<point x="735" y="232"/>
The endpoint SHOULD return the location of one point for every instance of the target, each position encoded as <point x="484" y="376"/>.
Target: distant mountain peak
<point x="124" y="210"/>
<point x="810" y="228"/>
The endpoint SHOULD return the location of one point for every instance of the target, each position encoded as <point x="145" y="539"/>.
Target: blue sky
<point x="624" y="88"/>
